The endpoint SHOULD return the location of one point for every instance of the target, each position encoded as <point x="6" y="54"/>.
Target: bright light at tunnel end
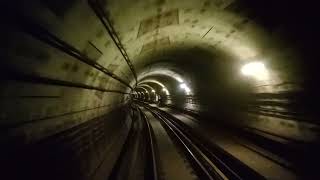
<point x="256" y="70"/>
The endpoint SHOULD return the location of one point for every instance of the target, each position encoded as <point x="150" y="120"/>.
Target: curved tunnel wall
<point x="63" y="75"/>
<point x="59" y="103"/>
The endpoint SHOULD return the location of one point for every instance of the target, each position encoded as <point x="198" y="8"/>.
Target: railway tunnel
<point x="227" y="89"/>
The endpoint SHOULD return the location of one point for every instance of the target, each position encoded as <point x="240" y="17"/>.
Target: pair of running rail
<point x="204" y="159"/>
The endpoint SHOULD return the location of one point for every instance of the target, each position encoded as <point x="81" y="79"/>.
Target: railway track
<point x="205" y="161"/>
<point x="169" y="148"/>
<point x="151" y="171"/>
<point x="137" y="158"/>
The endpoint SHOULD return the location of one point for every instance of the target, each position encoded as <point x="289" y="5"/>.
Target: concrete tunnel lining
<point x="76" y="79"/>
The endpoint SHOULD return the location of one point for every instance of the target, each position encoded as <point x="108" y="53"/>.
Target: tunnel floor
<point x="180" y="146"/>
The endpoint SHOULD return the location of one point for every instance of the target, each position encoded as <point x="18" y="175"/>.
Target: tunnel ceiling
<point x="149" y="27"/>
<point x="149" y="31"/>
<point x="226" y="28"/>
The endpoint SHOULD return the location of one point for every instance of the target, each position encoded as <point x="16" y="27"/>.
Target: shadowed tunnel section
<point x="71" y="71"/>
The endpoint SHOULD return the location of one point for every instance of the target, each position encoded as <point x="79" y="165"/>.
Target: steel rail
<point x="152" y="147"/>
<point x="192" y="151"/>
<point x="224" y="161"/>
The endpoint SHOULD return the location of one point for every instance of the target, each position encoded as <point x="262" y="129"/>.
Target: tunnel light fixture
<point x="256" y="70"/>
<point x="165" y="90"/>
<point x="187" y="90"/>
<point x="185" y="87"/>
<point x="179" y="79"/>
<point x="153" y="91"/>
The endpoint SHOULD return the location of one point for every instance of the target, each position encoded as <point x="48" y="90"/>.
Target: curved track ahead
<point x="202" y="159"/>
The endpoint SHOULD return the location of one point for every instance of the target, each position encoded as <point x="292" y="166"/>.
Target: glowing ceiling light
<point x="153" y="90"/>
<point x="179" y="80"/>
<point x="187" y="90"/>
<point x="256" y="70"/>
<point x="165" y="90"/>
<point x="185" y="87"/>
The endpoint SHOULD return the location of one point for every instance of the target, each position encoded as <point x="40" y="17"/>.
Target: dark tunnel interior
<point x="159" y="89"/>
